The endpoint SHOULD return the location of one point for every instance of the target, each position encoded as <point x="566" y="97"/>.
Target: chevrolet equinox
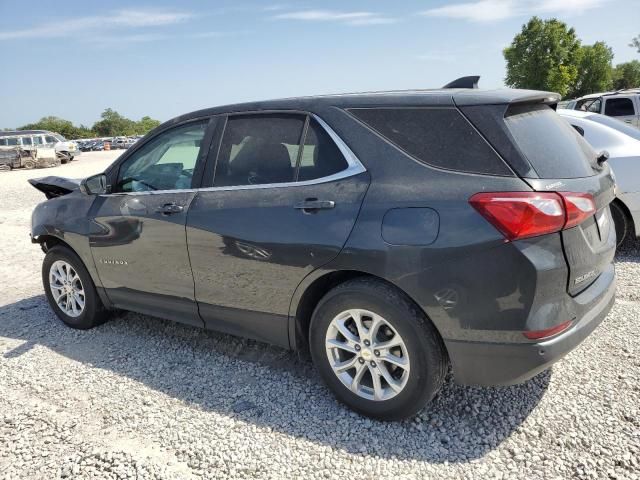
<point x="392" y="234"/>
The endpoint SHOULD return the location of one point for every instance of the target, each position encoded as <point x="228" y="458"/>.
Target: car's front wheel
<point x="70" y="290"/>
<point x="376" y="350"/>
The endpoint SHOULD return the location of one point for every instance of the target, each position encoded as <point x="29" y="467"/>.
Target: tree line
<point x="111" y="124"/>
<point x="548" y="55"/>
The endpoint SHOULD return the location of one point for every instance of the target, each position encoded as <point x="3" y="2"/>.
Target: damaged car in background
<point x="40" y="140"/>
<point x="16" y="157"/>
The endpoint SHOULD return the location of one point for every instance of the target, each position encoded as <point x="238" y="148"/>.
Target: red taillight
<point x="548" y="332"/>
<point x="579" y="207"/>
<point x="519" y="215"/>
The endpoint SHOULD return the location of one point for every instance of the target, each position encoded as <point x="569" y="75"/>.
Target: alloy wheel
<point x="367" y="354"/>
<point x="66" y="288"/>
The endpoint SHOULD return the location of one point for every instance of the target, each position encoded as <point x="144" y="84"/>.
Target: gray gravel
<point x="144" y="398"/>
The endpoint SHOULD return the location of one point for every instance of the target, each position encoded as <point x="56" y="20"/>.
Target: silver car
<point x="623" y="145"/>
<point x="623" y="105"/>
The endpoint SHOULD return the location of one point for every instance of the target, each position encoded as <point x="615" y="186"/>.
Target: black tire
<point x="621" y="223"/>
<point x="427" y="353"/>
<point x="29" y="164"/>
<point x="94" y="312"/>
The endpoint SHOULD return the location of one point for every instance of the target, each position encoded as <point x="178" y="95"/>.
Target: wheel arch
<point x="302" y="310"/>
<point x="47" y="241"/>
<point x="627" y="213"/>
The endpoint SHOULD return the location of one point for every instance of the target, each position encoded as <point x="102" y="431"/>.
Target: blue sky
<point x="74" y="59"/>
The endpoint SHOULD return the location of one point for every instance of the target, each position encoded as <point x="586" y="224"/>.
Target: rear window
<point x="549" y="143"/>
<point x="440" y="137"/>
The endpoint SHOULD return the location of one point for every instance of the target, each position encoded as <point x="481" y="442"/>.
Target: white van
<point x="39" y="139"/>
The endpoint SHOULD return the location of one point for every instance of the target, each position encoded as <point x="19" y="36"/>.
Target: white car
<point x="623" y="105"/>
<point x="623" y="145"/>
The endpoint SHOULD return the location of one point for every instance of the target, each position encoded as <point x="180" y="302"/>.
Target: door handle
<point x="627" y="121"/>
<point x="311" y="204"/>
<point x="169" y="208"/>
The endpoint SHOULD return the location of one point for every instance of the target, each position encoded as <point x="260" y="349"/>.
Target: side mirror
<point x="94" y="185"/>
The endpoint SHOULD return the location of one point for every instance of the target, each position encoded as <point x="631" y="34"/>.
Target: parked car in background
<point x="17" y="157"/>
<point x="610" y="122"/>
<point x="624" y="159"/>
<point x="366" y="226"/>
<point x="624" y="105"/>
<point x="65" y="150"/>
<point x="97" y="146"/>
<point x="119" y="142"/>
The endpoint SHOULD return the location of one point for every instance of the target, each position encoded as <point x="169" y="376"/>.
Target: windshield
<point x="60" y="138"/>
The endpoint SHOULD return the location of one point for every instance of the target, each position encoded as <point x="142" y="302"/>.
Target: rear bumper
<point x="484" y="363"/>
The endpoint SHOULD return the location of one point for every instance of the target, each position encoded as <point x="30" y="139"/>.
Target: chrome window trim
<point x="354" y="167"/>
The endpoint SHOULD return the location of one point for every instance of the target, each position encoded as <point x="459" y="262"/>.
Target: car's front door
<point x="623" y="109"/>
<point x="138" y="238"/>
<point x="284" y="200"/>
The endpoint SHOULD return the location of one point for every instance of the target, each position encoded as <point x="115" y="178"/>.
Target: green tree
<point x="627" y="75"/>
<point x="114" y="124"/>
<point x="594" y="70"/>
<point x="145" y="125"/>
<point x="635" y="43"/>
<point x="58" y="125"/>
<point x="543" y="56"/>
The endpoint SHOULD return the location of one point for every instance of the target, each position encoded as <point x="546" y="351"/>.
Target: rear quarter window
<point x="553" y="148"/>
<point x="440" y="137"/>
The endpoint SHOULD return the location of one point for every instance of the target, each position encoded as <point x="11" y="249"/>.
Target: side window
<point x="37" y="140"/>
<point x="3" y="142"/>
<point x="259" y="149"/>
<point x="619" y="107"/>
<point x="50" y="139"/>
<point x="321" y="157"/>
<point x="440" y="137"/>
<point x="12" y="142"/>
<point x="166" y="162"/>
<point x="589" y="104"/>
<point x="595" y="106"/>
<point x="26" y="141"/>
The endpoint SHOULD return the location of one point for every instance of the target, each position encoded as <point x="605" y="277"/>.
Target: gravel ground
<point x="144" y="398"/>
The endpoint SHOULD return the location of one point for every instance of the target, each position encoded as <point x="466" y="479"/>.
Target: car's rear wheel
<point x="376" y="350"/>
<point x="621" y="223"/>
<point x="70" y="290"/>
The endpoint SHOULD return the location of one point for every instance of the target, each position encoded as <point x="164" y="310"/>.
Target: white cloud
<point x="147" y="18"/>
<point x="493" y="10"/>
<point x="347" y="18"/>
<point x="123" y="19"/>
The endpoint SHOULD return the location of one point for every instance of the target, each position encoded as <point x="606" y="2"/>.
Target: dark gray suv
<point x="393" y="234"/>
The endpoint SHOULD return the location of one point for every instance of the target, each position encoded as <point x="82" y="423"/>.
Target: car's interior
<point x="165" y="164"/>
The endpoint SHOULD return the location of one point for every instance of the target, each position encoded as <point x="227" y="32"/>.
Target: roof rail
<point x="464" y="82"/>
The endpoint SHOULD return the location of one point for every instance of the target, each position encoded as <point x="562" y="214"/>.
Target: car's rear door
<point x="138" y="237"/>
<point x="285" y="197"/>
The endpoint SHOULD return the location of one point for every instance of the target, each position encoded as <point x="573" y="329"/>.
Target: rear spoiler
<point x="505" y="97"/>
